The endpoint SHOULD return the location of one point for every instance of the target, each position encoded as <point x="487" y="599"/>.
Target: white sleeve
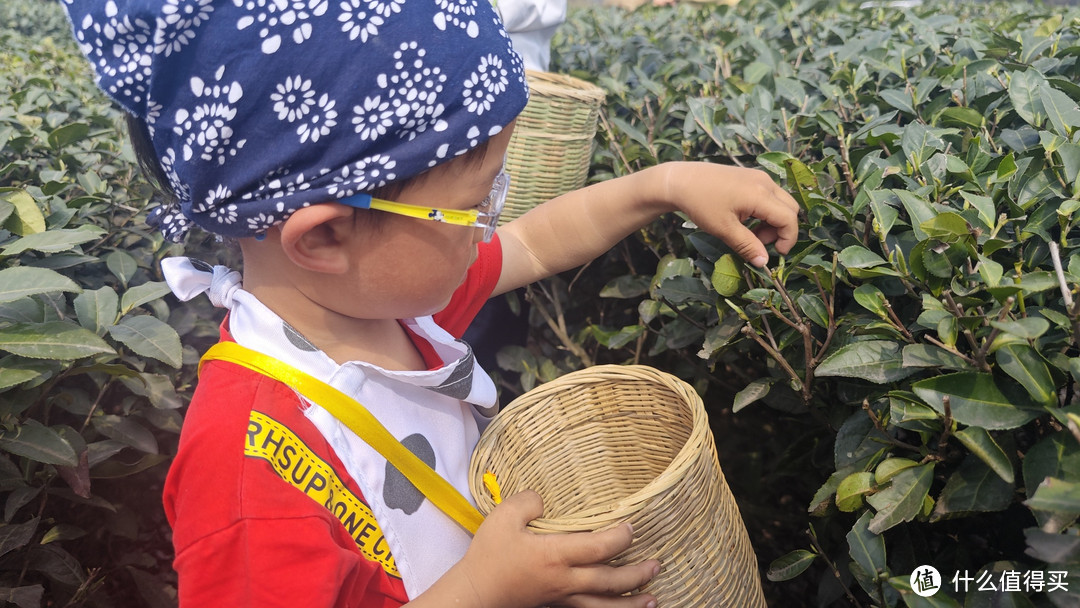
<point x="531" y="25"/>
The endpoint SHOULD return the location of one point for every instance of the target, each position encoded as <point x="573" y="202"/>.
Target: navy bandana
<point x="257" y="108"/>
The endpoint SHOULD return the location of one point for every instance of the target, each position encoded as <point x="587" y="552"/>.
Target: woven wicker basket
<point x="551" y="147"/>
<point x="627" y="443"/>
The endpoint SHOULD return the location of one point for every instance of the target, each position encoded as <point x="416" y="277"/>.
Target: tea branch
<point x="878" y="426"/>
<point x="557" y="322"/>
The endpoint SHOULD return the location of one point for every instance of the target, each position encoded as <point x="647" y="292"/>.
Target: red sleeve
<point x="243" y="536"/>
<point x="480" y="281"/>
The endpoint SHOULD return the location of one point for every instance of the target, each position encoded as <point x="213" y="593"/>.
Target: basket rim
<point x="625" y="506"/>
<point x="558" y="84"/>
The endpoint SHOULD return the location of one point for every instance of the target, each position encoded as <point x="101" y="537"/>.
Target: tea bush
<point x="92" y="371"/>
<point x="901" y="387"/>
<point x="924" y="333"/>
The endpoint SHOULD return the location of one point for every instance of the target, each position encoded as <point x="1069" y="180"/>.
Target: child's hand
<point x="719" y="198"/>
<point x="510" y="567"/>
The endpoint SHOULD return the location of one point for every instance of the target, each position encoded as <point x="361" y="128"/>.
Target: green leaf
<point x="1070" y="161"/>
<point x="791" y="565"/>
<point x="1060" y="109"/>
<point x="149" y="337"/>
<point x="21" y="281"/>
<point x="676" y="290"/>
<point x="902" y="500"/>
<point x="122" y="265"/>
<point x="975" y="400"/>
<point x="901" y="100"/>
<point x="27" y="596"/>
<point x="871" y="298"/>
<point x="946" y="226"/>
<point x="890" y="467"/>
<point x="753" y="392"/>
<point x="980" y="443"/>
<point x="973" y="488"/>
<point x="158" y="388"/>
<point x="1057" y="455"/>
<point x="879" y="361"/>
<point x="929" y="355"/>
<point x="1053" y="548"/>
<point x="114" y="469"/>
<point x="814" y="309"/>
<point x="850" y="492"/>
<point x="68" y="134"/>
<point x="624" y="287"/>
<point x="956" y="116"/>
<point x="865" y="547"/>
<point x="617" y="338"/>
<point x="6" y="209"/>
<point x="1025" y="96"/>
<point x="13" y="377"/>
<point x="1027" y="367"/>
<point x="1028" y="328"/>
<point x="990" y="271"/>
<point x="54" y="340"/>
<point x="726" y="277"/>
<point x="27" y="218"/>
<point x="919" y="211"/>
<point x="97" y="309"/>
<point x="16" y="536"/>
<point x="141" y="294"/>
<point x="912" y="600"/>
<point x="859" y="257"/>
<point x="984" y="205"/>
<point x="802" y="183"/>
<point x="53" y="241"/>
<point x="126" y="430"/>
<point x="35" y="441"/>
<point x="1056" y="496"/>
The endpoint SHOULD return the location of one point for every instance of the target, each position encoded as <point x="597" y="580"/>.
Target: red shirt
<point x="262" y="510"/>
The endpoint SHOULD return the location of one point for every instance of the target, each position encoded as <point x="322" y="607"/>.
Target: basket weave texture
<point x="615" y="443"/>
<point x="551" y="147"/>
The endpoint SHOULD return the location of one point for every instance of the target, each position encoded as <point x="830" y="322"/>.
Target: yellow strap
<point x="360" y="421"/>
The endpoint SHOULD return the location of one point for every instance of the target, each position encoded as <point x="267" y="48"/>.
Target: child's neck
<point x="381" y="342"/>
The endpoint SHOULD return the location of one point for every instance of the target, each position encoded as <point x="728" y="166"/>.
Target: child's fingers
<point x="615" y="581"/>
<point x="744" y="242"/>
<point x="609" y="601"/>
<point x="520" y="508"/>
<point x="582" y="549"/>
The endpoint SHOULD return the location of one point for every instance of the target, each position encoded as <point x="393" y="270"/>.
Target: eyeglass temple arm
<point x="363" y="200"/>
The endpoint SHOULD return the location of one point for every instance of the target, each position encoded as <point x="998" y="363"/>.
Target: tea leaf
<point x="39" y="443"/>
<point x="902" y="500"/>
<point x="791" y="565"/>
<point x="54" y="340"/>
<point x="976" y="400"/>
<point x="879" y="361"/>
<point x="149" y="337"/>
<point x="22" y="281"/>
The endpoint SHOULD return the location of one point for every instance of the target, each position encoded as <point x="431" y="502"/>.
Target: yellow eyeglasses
<point x="485" y="216"/>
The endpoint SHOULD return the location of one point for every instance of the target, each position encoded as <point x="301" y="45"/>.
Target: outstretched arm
<point x="579" y="226"/>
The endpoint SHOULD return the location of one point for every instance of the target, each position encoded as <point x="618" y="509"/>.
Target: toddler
<point x="355" y="150"/>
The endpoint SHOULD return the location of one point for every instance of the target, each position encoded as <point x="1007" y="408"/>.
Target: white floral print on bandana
<point x="256" y="108"/>
<point x="272" y="17"/>
<point x="481" y="87"/>
<point x="457" y="13"/>
<point x="177" y="23"/>
<point x="121" y="49"/>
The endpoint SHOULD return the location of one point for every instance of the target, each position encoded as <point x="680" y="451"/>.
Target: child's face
<point x="408" y="267"/>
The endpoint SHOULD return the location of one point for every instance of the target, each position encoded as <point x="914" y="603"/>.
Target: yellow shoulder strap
<point x="360" y="421"/>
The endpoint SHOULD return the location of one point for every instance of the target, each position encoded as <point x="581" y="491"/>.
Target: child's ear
<point x="316" y="238"/>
